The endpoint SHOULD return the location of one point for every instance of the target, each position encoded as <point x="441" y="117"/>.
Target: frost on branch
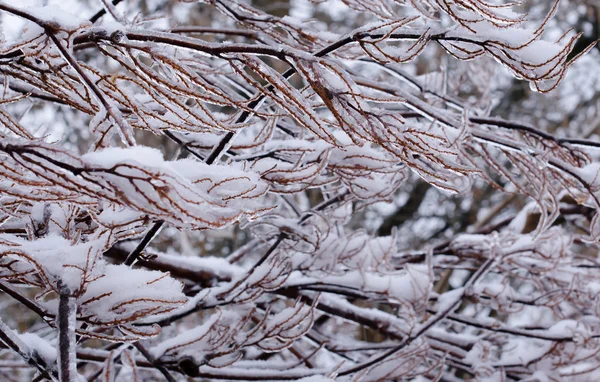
<point x="219" y="340"/>
<point x="312" y="191"/>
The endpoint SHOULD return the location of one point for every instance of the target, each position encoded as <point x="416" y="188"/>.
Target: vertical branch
<point x="66" y="322"/>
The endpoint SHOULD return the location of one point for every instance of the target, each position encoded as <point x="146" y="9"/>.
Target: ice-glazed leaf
<point x="106" y="294"/>
<point x="185" y="193"/>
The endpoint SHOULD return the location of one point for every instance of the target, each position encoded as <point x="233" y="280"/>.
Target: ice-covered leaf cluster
<point x="107" y="295"/>
<point x="185" y="193"/>
<point x="313" y="191"/>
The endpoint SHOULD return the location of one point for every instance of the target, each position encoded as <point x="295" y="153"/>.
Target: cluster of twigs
<point x="288" y="131"/>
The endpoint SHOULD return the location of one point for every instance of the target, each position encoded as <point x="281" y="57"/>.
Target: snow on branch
<point x="298" y="191"/>
<point x="187" y="194"/>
